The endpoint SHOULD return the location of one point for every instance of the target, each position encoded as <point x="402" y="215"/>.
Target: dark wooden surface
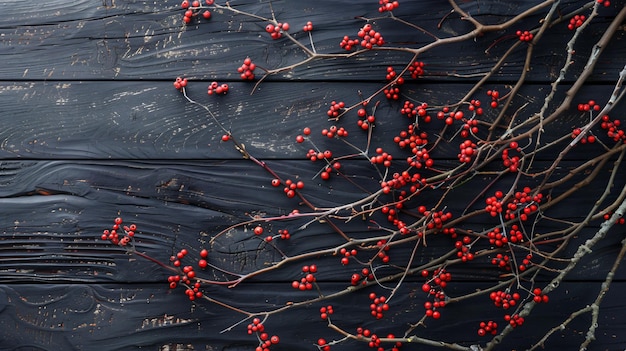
<point x="92" y="128"/>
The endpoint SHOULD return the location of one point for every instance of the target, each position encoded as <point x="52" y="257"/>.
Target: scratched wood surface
<point x="92" y="128"/>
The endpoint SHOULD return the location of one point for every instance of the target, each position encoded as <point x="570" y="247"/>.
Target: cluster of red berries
<point x="216" y="88"/>
<point x="362" y="277"/>
<point x="470" y="126"/>
<point x="515" y="234"/>
<point x="366" y="121"/>
<point x="440" y="278"/>
<point x="490" y="327"/>
<point x="188" y="274"/>
<point x="502" y="261"/>
<point x="387" y="5"/>
<point x="246" y="70"/>
<point x="524" y="201"/>
<point x="193" y="292"/>
<point x="347" y="43"/>
<point x="450" y="231"/>
<point x="604" y="3"/>
<point x="494" y="204"/>
<point x="467" y="150"/>
<point x="113" y="235"/>
<point x="416" y="141"/>
<point x="284" y="234"/>
<point x="408" y="109"/>
<point x="193" y="8"/>
<point x="590" y="138"/>
<point x="393" y="91"/>
<point x="374" y="341"/>
<point x="319" y="155"/>
<point x="325" y="174"/>
<point x="434" y="287"/>
<point x="202" y="262"/>
<point x="438" y="218"/>
<point x="391" y="75"/>
<point x="384" y="248"/>
<point x="333" y="131"/>
<point x="306" y="282"/>
<point x="326" y="311"/>
<point x="411" y="139"/>
<point x="346" y="255"/>
<point x="539" y="296"/>
<point x="511" y="162"/>
<point x="399" y="181"/>
<point x="300" y="138"/>
<point x="335" y="109"/>
<point x="613" y="129"/>
<point x="525" y="36"/>
<point x="504" y="299"/>
<point x="392" y="216"/>
<point x="370" y="37"/>
<point x="525" y="262"/>
<point x="451" y="115"/>
<point x="381" y="157"/>
<point x="323" y="345"/>
<point x="463" y="249"/>
<point x="265" y="341"/>
<point x="291" y="187"/>
<point x="588" y="106"/>
<point x="620" y="220"/>
<point x="308" y="26"/>
<point x="258" y="231"/>
<point x="276" y="30"/>
<point x="180" y="83"/>
<point x="497" y="238"/>
<point x="576" y="22"/>
<point x="514" y="320"/>
<point x="416" y="69"/>
<point x="438" y="302"/>
<point x="256" y="326"/>
<point x="495" y="95"/>
<point x="475" y="107"/>
<point x="378" y="305"/>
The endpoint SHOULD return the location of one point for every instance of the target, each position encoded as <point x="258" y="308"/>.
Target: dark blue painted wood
<point x="92" y="128"/>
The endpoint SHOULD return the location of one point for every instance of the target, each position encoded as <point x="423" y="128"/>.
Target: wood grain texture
<point x="94" y="39"/>
<point x="123" y="317"/>
<point x="54" y="213"/>
<point x="152" y="120"/>
<point x="92" y="128"/>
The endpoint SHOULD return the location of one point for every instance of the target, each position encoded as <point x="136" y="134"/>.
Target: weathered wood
<point x="54" y="213"/>
<point x="140" y="40"/>
<point x="123" y="317"/>
<point x="152" y="120"/>
<point x="92" y="128"/>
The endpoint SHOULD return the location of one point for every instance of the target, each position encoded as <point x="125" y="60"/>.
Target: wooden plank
<point x="122" y="317"/>
<point x="138" y="40"/>
<point x="54" y="213"/>
<point x="93" y="129"/>
<point x="152" y="120"/>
